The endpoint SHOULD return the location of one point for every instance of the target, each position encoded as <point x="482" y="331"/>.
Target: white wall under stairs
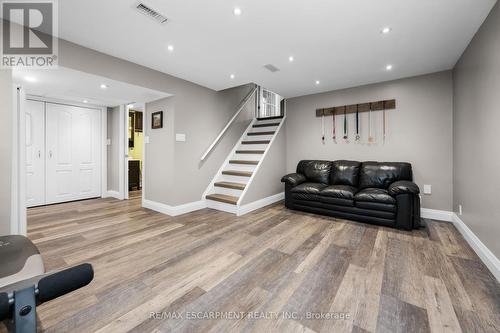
<point x="242" y="167"/>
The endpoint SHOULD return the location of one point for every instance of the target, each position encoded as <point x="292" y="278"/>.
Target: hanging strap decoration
<point x="323" y="128"/>
<point x="345" y="125"/>
<point x="358" y="137"/>
<point x="384" y="126"/>
<point x="371" y="139"/>
<point x="334" y="128"/>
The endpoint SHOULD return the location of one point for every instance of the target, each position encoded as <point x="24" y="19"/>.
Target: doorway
<point x="135" y="144"/>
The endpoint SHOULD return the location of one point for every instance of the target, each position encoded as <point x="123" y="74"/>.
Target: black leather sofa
<point x="373" y="192"/>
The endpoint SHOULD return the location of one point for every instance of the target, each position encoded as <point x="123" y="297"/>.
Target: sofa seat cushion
<point x="307" y="191"/>
<point x="311" y="188"/>
<point x="376" y="195"/>
<point x="338" y="195"/>
<point x="339" y="191"/>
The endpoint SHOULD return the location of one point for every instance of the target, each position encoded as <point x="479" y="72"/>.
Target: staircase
<point x="235" y="176"/>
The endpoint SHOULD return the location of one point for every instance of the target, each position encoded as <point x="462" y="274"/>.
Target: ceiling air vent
<point x="271" y="68"/>
<point x="151" y="13"/>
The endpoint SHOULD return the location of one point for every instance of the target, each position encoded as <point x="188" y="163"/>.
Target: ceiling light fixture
<point x="386" y="30"/>
<point x="30" y="78"/>
<point x="237" y="11"/>
<point x="232" y="76"/>
<point x="290" y="58"/>
<point x="103" y="86"/>
<point x="170" y="48"/>
<point x="317" y="82"/>
<point x="85" y="101"/>
<point x="388" y="67"/>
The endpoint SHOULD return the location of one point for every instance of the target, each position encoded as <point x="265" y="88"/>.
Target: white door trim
<point x="123" y="150"/>
<point x="18" y="224"/>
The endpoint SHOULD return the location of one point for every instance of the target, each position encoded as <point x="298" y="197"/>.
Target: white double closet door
<point x="63" y="153"/>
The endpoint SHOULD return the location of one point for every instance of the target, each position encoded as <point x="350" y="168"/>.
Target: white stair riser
<point x="258" y="137"/>
<point x="234" y="179"/>
<point x="241" y="167"/>
<point x="253" y="147"/>
<point x="221" y="206"/>
<point x="247" y="157"/>
<point x="228" y="191"/>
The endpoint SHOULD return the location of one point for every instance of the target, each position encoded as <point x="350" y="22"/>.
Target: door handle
<point x="50" y="153"/>
<point x="39" y="154"/>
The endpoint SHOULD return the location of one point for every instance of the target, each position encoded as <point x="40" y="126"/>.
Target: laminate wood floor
<point x="285" y="271"/>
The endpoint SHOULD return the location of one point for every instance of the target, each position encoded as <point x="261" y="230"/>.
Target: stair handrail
<point x="242" y="106"/>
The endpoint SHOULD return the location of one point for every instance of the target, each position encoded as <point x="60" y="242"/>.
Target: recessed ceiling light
<point x="170" y="48"/>
<point x="388" y="67"/>
<point x="317" y="82"/>
<point x="85" y="101"/>
<point x="30" y="78"/>
<point x="386" y="30"/>
<point x="237" y="11"/>
<point x="290" y="58"/>
<point x="232" y="76"/>
<point x="103" y="86"/>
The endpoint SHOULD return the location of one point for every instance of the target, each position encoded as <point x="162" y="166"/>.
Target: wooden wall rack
<point x="389" y="104"/>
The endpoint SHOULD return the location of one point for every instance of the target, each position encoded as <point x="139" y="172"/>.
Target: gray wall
<point x="5" y="149"/>
<point x="267" y="180"/>
<point x="476" y="119"/>
<point x="174" y="172"/>
<point x="419" y="130"/>
<point x="196" y="111"/>
<point x="113" y="128"/>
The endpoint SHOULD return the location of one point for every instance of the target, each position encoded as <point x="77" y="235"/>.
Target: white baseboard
<point x="112" y="194"/>
<point x="174" y="210"/>
<point x="434" y="214"/>
<point x="245" y="209"/>
<point x="488" y="258"/>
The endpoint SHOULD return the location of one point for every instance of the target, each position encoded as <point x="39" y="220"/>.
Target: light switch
<point x="146" y="139"/>
<point x="180" y="137"/>
<point x="108" y="142"/>
<point x="427" y="189"/>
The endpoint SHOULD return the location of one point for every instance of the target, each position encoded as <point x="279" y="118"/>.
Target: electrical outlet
<point x="108" y="142"/>
<point x="427" y="189"/>
<point x="459" y="209"/>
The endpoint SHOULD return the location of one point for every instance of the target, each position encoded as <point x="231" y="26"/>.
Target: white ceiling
<point x="337" y="42"/>
<point x="72" y="85"/>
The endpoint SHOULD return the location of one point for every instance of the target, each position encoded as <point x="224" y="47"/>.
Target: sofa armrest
<point x="403" y="187"/>
<point x="293" y="179"/>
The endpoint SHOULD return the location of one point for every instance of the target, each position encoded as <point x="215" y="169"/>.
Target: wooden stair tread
<point x="232" y="185"/>
<point x="250" y="151"/>
<point x="261" y="133"/>
<point x="265" y="125"/>
<point x="237" y="173"/>
<point x="243" y="162"/>
<point x="256" y="142"/>
<point x="223" y="198"/>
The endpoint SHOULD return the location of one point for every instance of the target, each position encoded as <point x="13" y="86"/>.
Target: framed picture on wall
<point x="157" y="120"/>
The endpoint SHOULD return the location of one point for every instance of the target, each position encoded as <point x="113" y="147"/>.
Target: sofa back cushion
<point x="383" y="174"/>
<point x="345" y="173"/>
<point x="315" y="171"/>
